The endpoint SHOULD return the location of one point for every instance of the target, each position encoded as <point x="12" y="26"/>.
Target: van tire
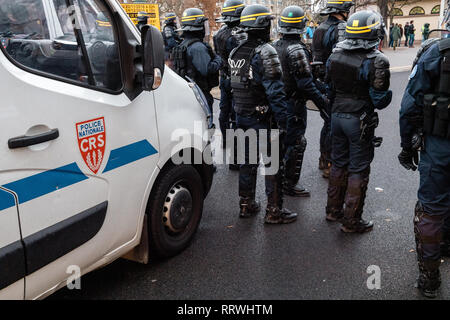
<point x="174" y="211"/>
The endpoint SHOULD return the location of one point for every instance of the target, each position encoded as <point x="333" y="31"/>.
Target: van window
<point x="73" y="39"/>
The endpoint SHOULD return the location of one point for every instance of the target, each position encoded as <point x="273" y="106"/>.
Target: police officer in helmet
<point x="299" y="86"/>
<point x="142" y="18"/>
<point x="325" y="38"/>
<point x="258" y="95"/>
<point x="359" y="79"/>
<point x="194" y="58"/>
<point x="224" y="42"/>
<point x="170" y="36"/>
<point x="425" y="127"/>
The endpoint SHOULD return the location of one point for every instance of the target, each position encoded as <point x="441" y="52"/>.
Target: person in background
<point x="406" y="34"/>
<point x="396" y="36"/>
<point x="170" y="36"/>
<point x="310" y="32"/>
<point x="401" y="35"/>
<point x="412" y="31"/>
<point x="425" y="32"/>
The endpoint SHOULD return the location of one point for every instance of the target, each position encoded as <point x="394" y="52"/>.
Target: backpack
<point x="180" y="63"/>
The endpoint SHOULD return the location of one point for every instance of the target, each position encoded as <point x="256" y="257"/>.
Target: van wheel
<point x="175" y="210"/>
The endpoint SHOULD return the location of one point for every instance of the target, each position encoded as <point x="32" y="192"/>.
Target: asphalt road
<point x="231" y="258"/>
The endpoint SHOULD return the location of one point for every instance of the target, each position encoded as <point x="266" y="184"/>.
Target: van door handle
<point x="25" y="141"/>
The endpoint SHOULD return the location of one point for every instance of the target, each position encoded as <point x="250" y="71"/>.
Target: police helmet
<point x="142" y="17"/>
<point x="336" y="6"/>
<point x="193" y="19"/>
<point x="292" y="21"/>
<point x="365" y="25"/>
<point x="231" y="11"/>
<point x="169" y="18"/>
<point x="255" y="17"/>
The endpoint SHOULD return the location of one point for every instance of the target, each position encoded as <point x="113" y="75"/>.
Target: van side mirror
<point x="153" y="57"/>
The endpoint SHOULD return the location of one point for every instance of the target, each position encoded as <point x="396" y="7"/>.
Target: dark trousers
<point x="248" y="171"/>
<point x="434" y="197"/>
<point x="348" y="150"/>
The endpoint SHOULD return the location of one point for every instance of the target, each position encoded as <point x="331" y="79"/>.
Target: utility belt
<point x="368" y="123"/>
<point x="436" y="115"/>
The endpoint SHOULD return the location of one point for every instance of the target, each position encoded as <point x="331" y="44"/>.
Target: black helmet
<point x="255" y="17"/>
<point x="142" y="17"/>
<point x="193" y="19"/>
<point x="292" y="20"/>
<point x="169" y="18"/>
<point x="365" y="25"/>
<point x="231" y="11"/>
<point x="336" y="6"/>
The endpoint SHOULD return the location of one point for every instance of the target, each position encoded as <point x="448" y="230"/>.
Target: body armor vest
<point x="288" y="78"/>
<point x="220" y="45"/>
<point x="184" y="67"/>
<point x="436" y="109"/>
<point x="320" y="52"/>
<point x="247" y="94"/>
<point x="352" y="93"/>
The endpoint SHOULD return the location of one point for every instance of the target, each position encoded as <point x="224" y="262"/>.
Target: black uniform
<point x="260" y="104"/>
<point x="359" y="78"/>
<point x="325" y="38"/>
<point x="195" y="59"/>
<point x="224" y="43"/>
<point x="425" y="126"/>
<point x="299" y="87"/>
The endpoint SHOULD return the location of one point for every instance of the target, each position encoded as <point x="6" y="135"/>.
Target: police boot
<point x="293" y="164"/>
<point x="429" y="279"/>
<point x="295" y="190"/>
<point x="337" y="186"/>
<point x="275" y="213"/>
<point x="248" y="207"/>
<point x="354" y="203"/>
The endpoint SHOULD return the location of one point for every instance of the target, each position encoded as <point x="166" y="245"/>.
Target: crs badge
<point x="91" y="136"/>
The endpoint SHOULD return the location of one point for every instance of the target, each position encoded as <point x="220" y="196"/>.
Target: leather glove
<point x="409" y="159"/>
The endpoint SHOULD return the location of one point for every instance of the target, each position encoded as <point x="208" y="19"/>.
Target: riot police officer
<point x="425" y="126"/>
<point x="258" y="91"/>
<point x="142" y="18"/>
<point x="299" y="86"/>
<point x="359" y="79"/>
<point x="224" y="42"/>
<point x="194" y="58"/>
<point x="170" y="36"/>
<point x="325" y="38"/>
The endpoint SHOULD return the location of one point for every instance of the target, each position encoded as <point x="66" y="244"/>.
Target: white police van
<point x="87" y="115"/>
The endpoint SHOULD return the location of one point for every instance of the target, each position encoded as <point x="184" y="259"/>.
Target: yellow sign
<point x="151" y="9"/>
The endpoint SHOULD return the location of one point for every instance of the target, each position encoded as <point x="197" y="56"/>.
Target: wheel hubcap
<point x="177" y="211"/>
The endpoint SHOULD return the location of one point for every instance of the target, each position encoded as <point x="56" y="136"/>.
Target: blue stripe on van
<point x="130" y="153"/>
<point x="6" y="200"/>
<point x="46" y="182"/>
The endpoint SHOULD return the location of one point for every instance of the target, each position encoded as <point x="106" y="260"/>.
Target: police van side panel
<point x="78" y="199"/>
